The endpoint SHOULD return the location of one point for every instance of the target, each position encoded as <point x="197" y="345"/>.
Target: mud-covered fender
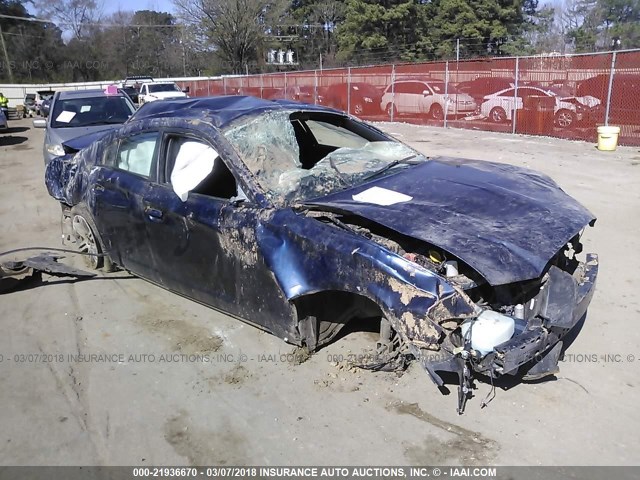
<point x="307" y="256"/>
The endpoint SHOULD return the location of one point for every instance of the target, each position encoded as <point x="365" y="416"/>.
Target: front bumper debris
<point x="535" y="351"/>
<point x="15" y="273"/>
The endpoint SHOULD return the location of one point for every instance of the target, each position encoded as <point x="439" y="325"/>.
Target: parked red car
<point x="363" y="98"/>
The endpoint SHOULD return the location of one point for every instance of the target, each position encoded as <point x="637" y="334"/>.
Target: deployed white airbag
<point x="194" y="162"/>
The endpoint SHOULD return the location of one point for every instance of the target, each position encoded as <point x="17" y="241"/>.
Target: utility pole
<point x="6" y="56"/>
<point x="184" y="54"/>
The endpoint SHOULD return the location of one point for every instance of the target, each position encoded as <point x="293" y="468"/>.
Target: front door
<point x="203" y="234"/>
<point x="126" y="174"/>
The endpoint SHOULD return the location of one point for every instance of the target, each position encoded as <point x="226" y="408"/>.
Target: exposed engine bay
<point x="515" y="329"/>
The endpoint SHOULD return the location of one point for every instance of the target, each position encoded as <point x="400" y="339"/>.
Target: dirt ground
<point x="152" y="400"/>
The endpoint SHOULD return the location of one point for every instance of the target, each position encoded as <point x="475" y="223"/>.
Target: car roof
<point x="89" y="93"/>
<point x="222" y="110"/>
<point x="419" y="80"/>
<point x="522" y="87"/>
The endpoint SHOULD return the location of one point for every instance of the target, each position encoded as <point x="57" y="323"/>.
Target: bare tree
<point x="235" y="28"/>
<point x="327" y="14"/>
<point x="72" y="15"/>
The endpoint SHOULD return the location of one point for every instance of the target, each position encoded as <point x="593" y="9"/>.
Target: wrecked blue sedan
<point x="298" y="219"/>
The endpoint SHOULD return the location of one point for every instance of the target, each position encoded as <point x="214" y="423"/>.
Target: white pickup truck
<point x="152" y="91"/>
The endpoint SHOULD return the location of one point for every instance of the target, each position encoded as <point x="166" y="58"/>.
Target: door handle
<point x="153" y="214"/>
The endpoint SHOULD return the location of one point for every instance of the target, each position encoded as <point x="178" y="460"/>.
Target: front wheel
<point x="87" y="242"/>
<point x="358" y="109"/>
<point x="565" y="118"/>
<point x="498" y="115"/>
<point x="436" y="112"/>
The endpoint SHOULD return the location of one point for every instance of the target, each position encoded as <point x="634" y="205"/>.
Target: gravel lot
<point x="269" y="410"/>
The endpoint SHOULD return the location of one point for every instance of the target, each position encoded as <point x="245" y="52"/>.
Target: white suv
<point x="426" y="97"/>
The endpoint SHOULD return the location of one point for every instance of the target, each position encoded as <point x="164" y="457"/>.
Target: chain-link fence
<point x="561" y="96"/>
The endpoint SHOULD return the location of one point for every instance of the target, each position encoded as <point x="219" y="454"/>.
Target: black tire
<point x="565" y="118"/>
<point x="436" y="112"/>
<point x="498" y="115"/>
<point x="391" y="110"/>
<point x="89" y="242"/>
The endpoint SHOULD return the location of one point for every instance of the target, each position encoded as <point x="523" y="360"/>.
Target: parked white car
<point x="499" y="106"/>
<point x="152" y="91"/>
<point x="426" y="97"/>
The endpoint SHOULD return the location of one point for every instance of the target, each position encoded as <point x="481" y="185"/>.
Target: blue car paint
<point x="261" y="262"/>
<point x="505" y="222"/>
<point x="219" y="112"/>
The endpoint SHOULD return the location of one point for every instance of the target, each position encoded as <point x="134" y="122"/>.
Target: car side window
<point x="193" y="165"/>
<point x="334" y="135"/>
<point x="136" y="153"/>
<point x="527" y="92"/>
<point x="400" y="88"/>
<point x="417" y="88"/>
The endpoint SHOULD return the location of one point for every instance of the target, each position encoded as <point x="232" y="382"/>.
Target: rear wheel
<point x="392" y="111"/>
<point x="498" y="115"/>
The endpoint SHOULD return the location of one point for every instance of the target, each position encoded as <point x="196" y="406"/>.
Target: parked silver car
<point x="81" y="112"/>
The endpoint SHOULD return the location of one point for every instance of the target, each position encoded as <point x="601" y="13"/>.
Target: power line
<point x="22" y="35"/>
<point x="119" y="25"/>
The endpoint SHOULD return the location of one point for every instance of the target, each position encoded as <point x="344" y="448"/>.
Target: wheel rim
<point x="86" y="241"/>
<point x="358" y="109"/>
<point x="498" y="115"/>
<point x="564" y="119"/>
<point x="436" y="112"/>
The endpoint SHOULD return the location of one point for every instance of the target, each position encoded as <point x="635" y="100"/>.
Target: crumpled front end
<point x="440" y="311"/>
<point x="58" y="175"/>
<point x="523" y="338"/>
<point x="474" y="328"/>
<point x="67" y="176"/>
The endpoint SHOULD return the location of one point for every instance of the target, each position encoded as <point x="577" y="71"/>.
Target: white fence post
<point x="348" y="89"/>
<point x="315" y="87"/>
<point x="611" y="74"/>
<point x="393" y="90"/>
<point x="514" y="115"/>
<point x="446" y="92"/>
